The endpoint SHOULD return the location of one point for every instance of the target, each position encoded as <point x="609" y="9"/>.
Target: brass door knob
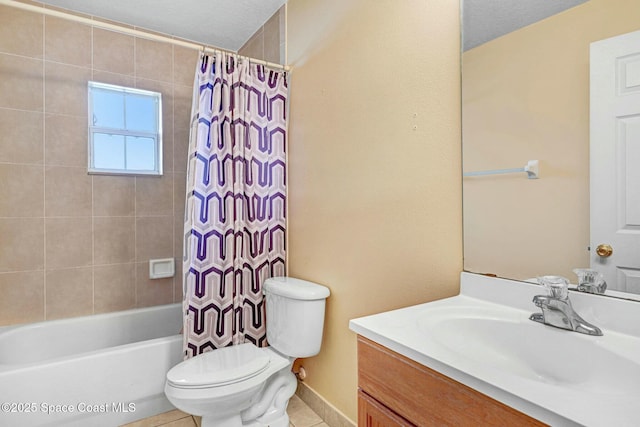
<point x="604" y="251"/>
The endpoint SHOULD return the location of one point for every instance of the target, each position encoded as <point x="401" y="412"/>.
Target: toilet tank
<point x="295" y="315"/>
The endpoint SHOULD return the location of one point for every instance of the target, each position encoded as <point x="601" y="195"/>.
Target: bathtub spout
<point x="272" y="405"/>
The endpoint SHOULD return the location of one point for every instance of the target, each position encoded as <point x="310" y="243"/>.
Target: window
<point x="125" y="130"/>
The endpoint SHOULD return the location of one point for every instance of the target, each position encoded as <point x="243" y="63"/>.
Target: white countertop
<point x="555" y="404"/>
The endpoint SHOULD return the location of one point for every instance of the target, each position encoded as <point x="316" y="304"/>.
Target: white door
<point x="615" y="160"/>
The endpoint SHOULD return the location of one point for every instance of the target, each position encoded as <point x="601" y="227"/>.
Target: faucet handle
<point x="590" y="281"/>
<point x="556" y="286"/>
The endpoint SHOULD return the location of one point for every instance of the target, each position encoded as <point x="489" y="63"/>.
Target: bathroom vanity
<point x="395" y="390"/>
<point x="477" y="359"/>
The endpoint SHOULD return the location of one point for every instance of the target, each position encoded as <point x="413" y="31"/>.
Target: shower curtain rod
<point x="132" y="31"/>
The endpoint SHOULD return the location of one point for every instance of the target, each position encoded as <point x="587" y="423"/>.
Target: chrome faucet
<point x="557" y="309"/>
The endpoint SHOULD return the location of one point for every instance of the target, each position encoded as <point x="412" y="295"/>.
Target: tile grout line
<point x="44" y="174"/>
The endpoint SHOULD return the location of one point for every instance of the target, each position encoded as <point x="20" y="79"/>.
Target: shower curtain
<point x="236" y="197"/>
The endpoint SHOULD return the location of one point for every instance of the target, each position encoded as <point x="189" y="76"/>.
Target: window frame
<point x="155" y="136"/>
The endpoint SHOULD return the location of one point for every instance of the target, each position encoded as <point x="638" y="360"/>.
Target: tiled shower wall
<point x="71" y="243"/>
<point x="268" y="42"/>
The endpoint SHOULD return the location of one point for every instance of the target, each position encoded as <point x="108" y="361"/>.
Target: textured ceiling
<point x="485" y="20"/>
<point x="227" y="24"/>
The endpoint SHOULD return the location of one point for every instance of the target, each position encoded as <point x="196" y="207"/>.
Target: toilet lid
<point x="219" y="367"/>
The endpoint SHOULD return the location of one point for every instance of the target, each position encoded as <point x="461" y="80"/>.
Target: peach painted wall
<point x="526" y="96"/>
<point x="374" y="165"/>
<point x="73" y="244"/>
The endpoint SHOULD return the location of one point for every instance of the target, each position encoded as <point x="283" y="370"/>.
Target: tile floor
<point x="300" y="415"/>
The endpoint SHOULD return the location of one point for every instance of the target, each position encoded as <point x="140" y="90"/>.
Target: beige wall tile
<point x="182" y="100"/>
<point x="60" y="34"/>
<point x="178" y="243"/>
<point x="68" y="243"/>
<point x="254" y="47"/>
<point x="113" y="240"/>
<point x="69" y="293"/>
<point x="115" y="287"/>
<point x="21" y="190"/>
<point x="154" y="60"/>
<point x="22" y="247"/>
<point x="65" y="141"/>
<point x="21" y="297"/>
<point x="177" y="280"/>
<point x="21" y="84"/>
<point x="43" y="110"/>
<point x="185" y="61"/>
<point x="21" y="139"/>
<point x="179" y="194"/>
<point x="283" y="35"/>
<point x="154" y="195"/>
<point x="267" y="42"/>
<point x="67" y="191"/>
<point x="154" y="238"/>
<point x="113" y="195"/>
<point x="21" y="32"/>
<point x="182" y="123"/>
<point x="272" y="39"/>
<point x="113" y="78"/>
<point x="180" y="149"/>
<point x="152" y="291"/>
<point x="113" y="52"/>
<point x="66" y="89"/>
<point x="167" y="152"/>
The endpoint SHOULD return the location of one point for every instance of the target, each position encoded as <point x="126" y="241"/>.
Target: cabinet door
<point x="372" y="413"/>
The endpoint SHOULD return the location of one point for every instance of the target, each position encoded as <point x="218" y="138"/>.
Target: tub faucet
<point x="557" y="309"/>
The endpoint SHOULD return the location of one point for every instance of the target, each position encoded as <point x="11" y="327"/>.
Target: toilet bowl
<point x="248" y="386"/>
<point x="225" y="382"/>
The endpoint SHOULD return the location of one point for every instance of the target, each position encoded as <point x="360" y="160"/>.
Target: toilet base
<point x="271" y="410"/>
<point x="236" y="421"/>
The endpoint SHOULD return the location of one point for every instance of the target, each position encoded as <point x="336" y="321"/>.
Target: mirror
<point x="526" y="96"/>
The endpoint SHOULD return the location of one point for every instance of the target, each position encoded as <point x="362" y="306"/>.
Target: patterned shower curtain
<point x="236" y="197"/>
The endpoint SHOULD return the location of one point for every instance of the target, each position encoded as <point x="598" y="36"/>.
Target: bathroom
<point x="375" y="189"/>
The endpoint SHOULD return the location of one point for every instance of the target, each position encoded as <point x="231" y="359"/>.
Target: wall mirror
<point x="526" y="96"/>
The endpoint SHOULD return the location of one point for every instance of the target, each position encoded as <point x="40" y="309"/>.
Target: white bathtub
<point x="101" y="370"/>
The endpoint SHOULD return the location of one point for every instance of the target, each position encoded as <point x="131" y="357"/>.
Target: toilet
<point x="249" y="386"/>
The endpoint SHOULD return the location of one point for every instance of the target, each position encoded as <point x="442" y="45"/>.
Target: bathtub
<point x="101" y="370"/>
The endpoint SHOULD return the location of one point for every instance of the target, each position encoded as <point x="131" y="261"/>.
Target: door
<point x="372" y="413"/>
<point x="615" y="160"/>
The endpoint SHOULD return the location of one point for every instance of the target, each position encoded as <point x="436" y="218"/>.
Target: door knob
<point x="604" y="251"/>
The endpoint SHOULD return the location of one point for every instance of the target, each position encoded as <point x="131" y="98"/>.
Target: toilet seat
<point x="219" y="367"/>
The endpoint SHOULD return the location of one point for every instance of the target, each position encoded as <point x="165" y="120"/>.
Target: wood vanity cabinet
<point x="396" y="391"/>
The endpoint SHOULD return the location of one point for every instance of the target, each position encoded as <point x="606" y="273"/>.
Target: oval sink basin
<point x="506" y="340"/>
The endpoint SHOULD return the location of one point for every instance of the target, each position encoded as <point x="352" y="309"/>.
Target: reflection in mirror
<point x="526" y="95"/>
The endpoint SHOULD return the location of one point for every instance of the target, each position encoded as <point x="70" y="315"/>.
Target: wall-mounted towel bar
<point x="532" y="169"/>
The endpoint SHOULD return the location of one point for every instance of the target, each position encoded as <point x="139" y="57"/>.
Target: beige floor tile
<point x="300" y="415"/>
<point x="162" y="420"/>
<point x="183" y="422"/>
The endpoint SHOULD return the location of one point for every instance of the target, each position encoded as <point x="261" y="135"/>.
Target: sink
<point x="505" y="340"/>
<point x="483" y="338"/>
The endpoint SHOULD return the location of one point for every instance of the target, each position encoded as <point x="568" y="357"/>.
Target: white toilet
<point x="245" y="385"/>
